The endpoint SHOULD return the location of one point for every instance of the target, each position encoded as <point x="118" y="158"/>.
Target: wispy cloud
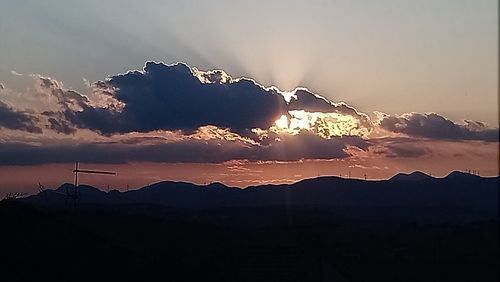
<point x="15" y="73"/>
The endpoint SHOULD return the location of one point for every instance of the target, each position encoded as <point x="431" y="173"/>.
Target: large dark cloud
<point x="434" y="126"/>
<point x="290" y="148"/>
<point x="176" y="97"/>
<point x="12" y="119"/>
<point x="172" y="98"/>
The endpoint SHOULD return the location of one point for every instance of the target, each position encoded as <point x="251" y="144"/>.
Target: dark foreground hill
<point x="315" y="230"/>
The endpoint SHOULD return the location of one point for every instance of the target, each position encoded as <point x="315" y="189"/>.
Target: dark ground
<point x="142" y="243"/>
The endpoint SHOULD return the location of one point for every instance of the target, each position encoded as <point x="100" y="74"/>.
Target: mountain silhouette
<point x="414" y="176"/>
<point x="415" y="195"/>
<point x="462" y="176"/>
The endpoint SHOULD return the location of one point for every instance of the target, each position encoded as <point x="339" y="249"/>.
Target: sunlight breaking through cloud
<point x="326" y="125"/>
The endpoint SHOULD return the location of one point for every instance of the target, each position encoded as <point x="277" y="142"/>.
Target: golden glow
<point x="282" y="122"/>
<point x="326" y="125"/>
<point x="210" y="132"/>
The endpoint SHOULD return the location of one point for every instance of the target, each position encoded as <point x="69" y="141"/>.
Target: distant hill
<point x="459" y="196"/>
<point x="414" y="176"/>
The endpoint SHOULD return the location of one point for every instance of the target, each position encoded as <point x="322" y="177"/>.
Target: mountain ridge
<point x="413" y="176"/>
<point x="457" y="196"/>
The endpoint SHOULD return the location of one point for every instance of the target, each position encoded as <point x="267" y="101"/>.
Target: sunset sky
<point x="245" y="92"/>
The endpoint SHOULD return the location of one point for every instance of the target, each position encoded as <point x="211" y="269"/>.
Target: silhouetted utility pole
<point x="41" y="190"/>
<point x="40" y="187"/>
<point x="76" y="171"/>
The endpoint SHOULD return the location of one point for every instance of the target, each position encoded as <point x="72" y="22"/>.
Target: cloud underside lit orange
<point x="441" y="157"/>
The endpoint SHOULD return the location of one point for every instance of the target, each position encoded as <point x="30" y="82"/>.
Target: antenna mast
<point x="76" y="171"/>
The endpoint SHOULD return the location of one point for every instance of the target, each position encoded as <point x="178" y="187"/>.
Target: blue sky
<point x="394" y="56"/>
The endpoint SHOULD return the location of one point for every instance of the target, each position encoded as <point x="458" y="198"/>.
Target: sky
<point x="265" y="92"/>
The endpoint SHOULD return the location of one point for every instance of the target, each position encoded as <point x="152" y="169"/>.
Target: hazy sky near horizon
<point x="391" y="56"/>
<point x="386" y="86"/>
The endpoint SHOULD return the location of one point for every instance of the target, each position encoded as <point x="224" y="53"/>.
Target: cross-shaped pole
<point x="77" y="170"/>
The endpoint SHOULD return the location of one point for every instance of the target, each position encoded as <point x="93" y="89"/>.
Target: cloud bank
<point x="190" y="150"/>
<point x="213" y="118"/>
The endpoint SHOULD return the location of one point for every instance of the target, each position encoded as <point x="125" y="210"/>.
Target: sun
<point x="282" y="122"/>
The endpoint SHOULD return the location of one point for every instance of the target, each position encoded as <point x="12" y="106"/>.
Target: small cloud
<point x="17" y="120"/>
<point x="67" y="99"/>
<point x="407" y="151"/>
<point x="435" y="126"/>
<point x="400" y="147"/>
<point x="58" y="123"/>
<point x="86" y="82"/>
<point x="15" y="73"/>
